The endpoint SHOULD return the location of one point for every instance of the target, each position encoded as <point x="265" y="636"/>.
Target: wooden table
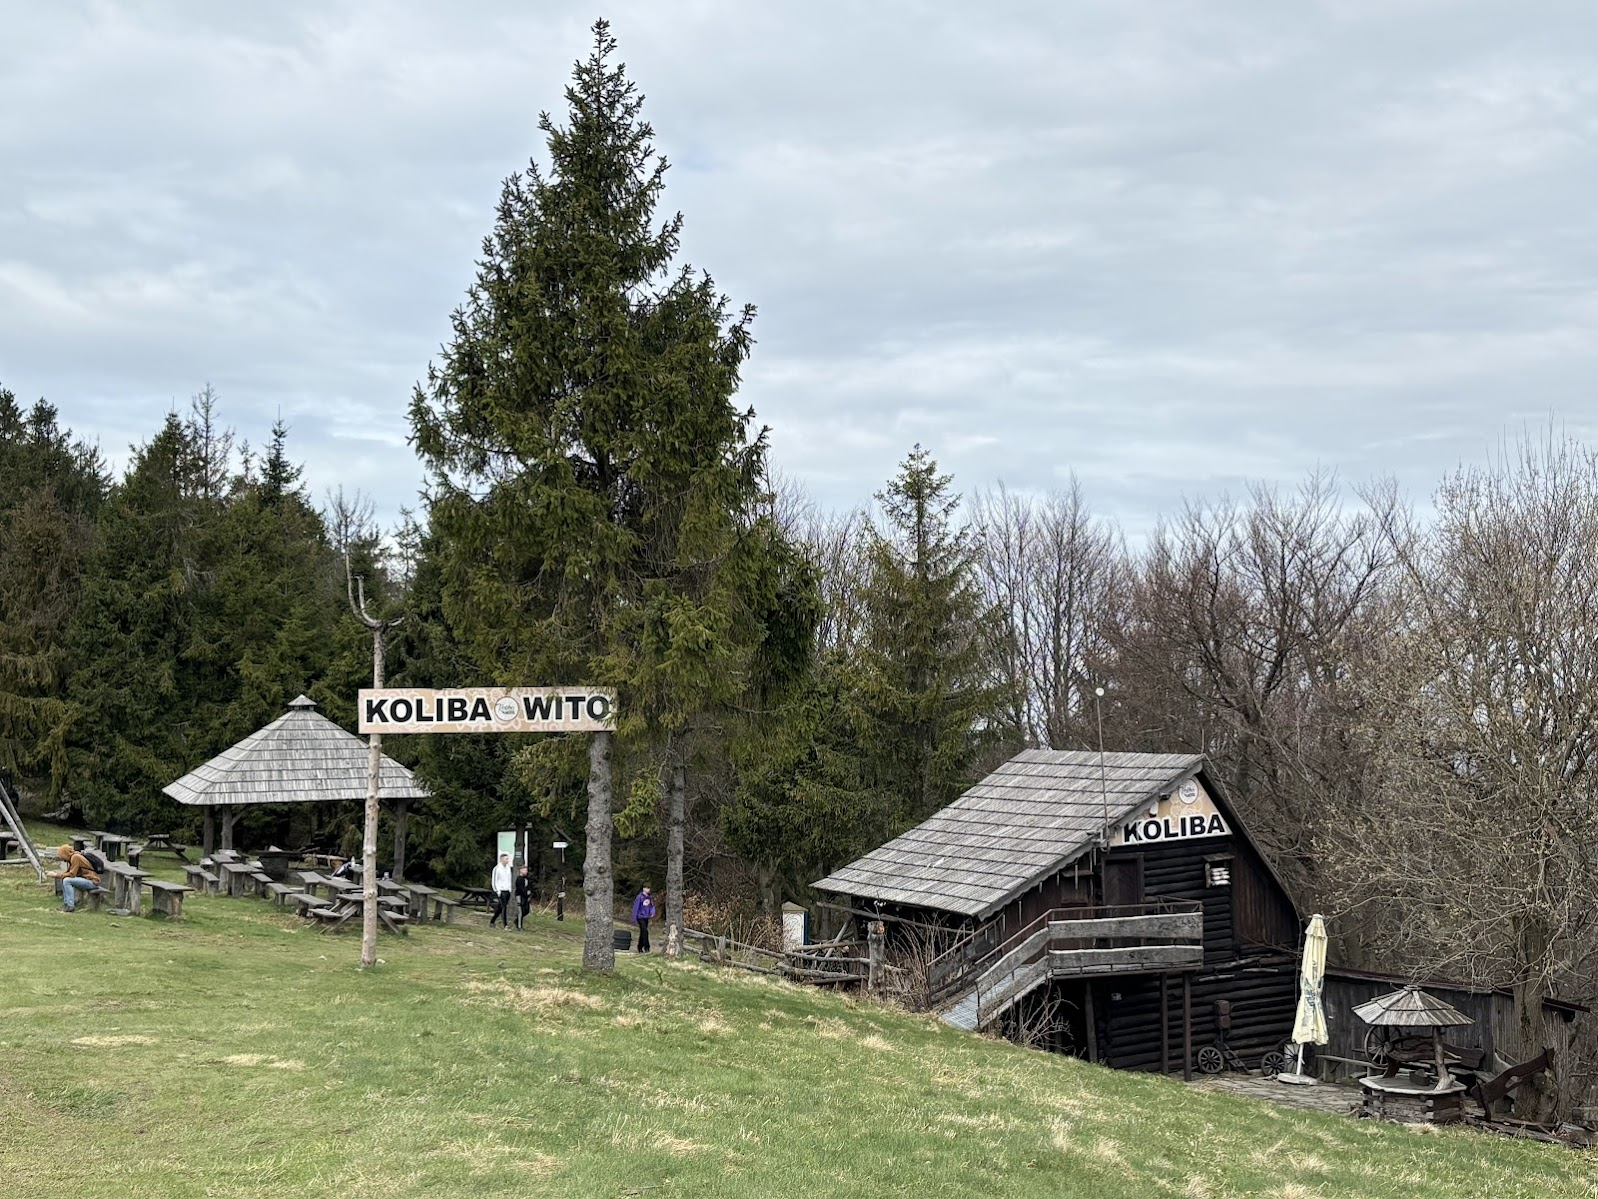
<point x="420" y="898"/>
<point x="476" y="897"/>
<point x="237" y="875"/>
<point x="112" y="845"/>
<point x="165" y="841"/>
<point x="127" y="887"/>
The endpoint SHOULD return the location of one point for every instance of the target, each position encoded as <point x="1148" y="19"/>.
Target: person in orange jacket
<point x="78" y="876"/>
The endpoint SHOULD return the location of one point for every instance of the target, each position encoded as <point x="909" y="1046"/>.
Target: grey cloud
<point x="1166" y="246"/>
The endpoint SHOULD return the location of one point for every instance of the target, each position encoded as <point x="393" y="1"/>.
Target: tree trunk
<point x="208" y="845"/>
<point x="401" y="819"/>
<point x="1537" y="1098"/>
<point x="229" y="815"/>
<point x="374" y="768"/>
<point x="599" y="885"/>
<point x="676" y="818"/>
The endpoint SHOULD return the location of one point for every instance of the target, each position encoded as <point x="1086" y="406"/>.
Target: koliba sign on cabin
<point x="487" y="710"/>
<point x="1187" y="814"/>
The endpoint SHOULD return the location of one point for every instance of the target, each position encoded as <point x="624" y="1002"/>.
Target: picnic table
<point x="275" y="862"/>
<point x="165" y="841"/>
<point x="112" y="845"/>
<point x="237" y="877"/>
<point x="420" y="900"/>
<point x="127" y="887"/>
<point x="476" y="897"/>
<point x="346" y="907"/>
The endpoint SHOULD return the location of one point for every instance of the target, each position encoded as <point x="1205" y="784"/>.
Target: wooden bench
<point x="279" y="892"/>
<point x="166" y="899"/>
<point x="92" y="897"/>
<point x="444" y="909"/>
<point x="262" y="881"/>
<point x="305" y="903"/>
<point x="201" y="879"/>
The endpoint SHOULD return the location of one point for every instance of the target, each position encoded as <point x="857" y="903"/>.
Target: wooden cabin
<point x="1108" y="905"/>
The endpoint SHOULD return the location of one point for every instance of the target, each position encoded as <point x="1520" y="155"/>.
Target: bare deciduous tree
<point x="1474" y="852"/>
<point x="1051" y="572"/>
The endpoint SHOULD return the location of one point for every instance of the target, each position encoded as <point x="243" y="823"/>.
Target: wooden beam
<point x="1175" y="926"/>
<point x="208" y="841"/>
<point x="230" y="813"/>
<point x="401" y="816"/>
<point x="1065" y="962"/>
<point x="1093" y="1026"/>
<point x="1165" y="1022"/>
<point x="1187" y="1028"/>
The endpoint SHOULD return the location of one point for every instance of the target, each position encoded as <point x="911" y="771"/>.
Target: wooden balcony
<point x="1074" y="943"/>
<point x="1126" y="944"/>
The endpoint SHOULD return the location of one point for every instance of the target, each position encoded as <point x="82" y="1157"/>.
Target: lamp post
<point x="560" y="891"/>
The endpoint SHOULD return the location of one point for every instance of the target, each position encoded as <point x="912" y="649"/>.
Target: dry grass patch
<point x="532" y="1000"/>
<point x="111" y="1042"/>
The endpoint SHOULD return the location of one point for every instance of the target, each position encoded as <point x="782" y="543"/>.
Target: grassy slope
<point x="239" y="1053"/>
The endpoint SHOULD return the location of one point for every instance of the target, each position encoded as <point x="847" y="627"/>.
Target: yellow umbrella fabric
<point x="1309" y="1022"/>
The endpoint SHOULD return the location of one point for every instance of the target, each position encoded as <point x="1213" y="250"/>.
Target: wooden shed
<point x="1114" y="901"/>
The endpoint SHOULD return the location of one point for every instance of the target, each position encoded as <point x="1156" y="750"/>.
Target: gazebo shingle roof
<point x="1026" y="820"/>
<point x="301" y="757"/>
<point x="1410" y="1007"/>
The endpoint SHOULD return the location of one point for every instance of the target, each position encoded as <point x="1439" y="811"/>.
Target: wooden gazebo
<point x="301" y="757"/>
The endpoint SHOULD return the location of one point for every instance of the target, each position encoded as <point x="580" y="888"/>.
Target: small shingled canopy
<point x="1410" y="1007"/>
<point x="301" y="757"/>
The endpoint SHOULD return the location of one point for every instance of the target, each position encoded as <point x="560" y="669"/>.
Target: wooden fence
<point x="829" y="964"/>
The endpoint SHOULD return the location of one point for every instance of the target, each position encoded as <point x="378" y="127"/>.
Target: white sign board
<point x="486" y="710"/>
<point x="1188" y="814"/>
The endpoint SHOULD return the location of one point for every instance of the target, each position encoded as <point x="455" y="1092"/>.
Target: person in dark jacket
<point x="643" y="913"/>
<point x="524" y="897"/>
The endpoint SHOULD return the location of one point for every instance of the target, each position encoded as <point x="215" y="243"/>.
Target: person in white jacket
<point x="500" y="884"/>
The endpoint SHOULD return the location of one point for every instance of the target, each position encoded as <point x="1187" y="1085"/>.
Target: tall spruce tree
<point x="926" y="703"/>
<point x="592" y="485"/>
<point x="51" y="488"/>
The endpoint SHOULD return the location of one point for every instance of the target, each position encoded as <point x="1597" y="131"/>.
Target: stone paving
<point x="1332" y="1098"/>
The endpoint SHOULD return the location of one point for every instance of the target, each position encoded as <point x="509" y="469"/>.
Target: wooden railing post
<point x="876" y="938"/>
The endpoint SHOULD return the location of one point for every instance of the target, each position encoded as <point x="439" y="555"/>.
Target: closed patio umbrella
<point x="1309" y="1021"/>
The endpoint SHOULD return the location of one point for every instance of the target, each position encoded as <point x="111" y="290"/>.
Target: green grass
<point x="239" y="1053"/>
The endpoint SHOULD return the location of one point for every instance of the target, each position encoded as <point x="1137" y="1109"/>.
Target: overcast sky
<point x="1167" y="246"/>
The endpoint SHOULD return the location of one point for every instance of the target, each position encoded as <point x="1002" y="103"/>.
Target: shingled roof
<point x="301" y="757"/>
<point x="1022" y="823"/>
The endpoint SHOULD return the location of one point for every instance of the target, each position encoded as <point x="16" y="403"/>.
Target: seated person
<point x="78" y="876"/>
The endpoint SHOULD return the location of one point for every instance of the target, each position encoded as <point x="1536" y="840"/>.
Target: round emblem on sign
<point x="1188" y="791"/>
<point x="505" y="708"/>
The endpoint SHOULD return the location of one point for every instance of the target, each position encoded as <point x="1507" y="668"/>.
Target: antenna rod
<point x="1104" y="785"/>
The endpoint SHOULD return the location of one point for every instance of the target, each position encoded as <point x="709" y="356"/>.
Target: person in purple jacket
<point x="643" y="913"/>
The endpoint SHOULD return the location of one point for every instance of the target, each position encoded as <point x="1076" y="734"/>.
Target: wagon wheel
<point x="1376" y="1048"/>
<point x="1210" y="1060"/>
<point x="1271" y="1064"/>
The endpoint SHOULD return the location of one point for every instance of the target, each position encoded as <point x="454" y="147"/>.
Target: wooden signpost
<point x="381" y="710"/>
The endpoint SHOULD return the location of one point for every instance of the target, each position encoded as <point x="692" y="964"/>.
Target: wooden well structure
<point x="301" y="757"/>
<point x="1413" y="1022"/>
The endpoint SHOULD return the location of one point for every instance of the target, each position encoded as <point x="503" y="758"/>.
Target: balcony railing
<point x="1067" y="942"/>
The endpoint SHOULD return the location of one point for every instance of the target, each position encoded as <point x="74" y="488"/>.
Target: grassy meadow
<point x="240" y="1053"/>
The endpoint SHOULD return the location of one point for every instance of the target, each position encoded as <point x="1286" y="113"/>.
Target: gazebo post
<point x="401" y="815"/>
<point x="230" y="813"/>
<point x="209" y="842"/>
